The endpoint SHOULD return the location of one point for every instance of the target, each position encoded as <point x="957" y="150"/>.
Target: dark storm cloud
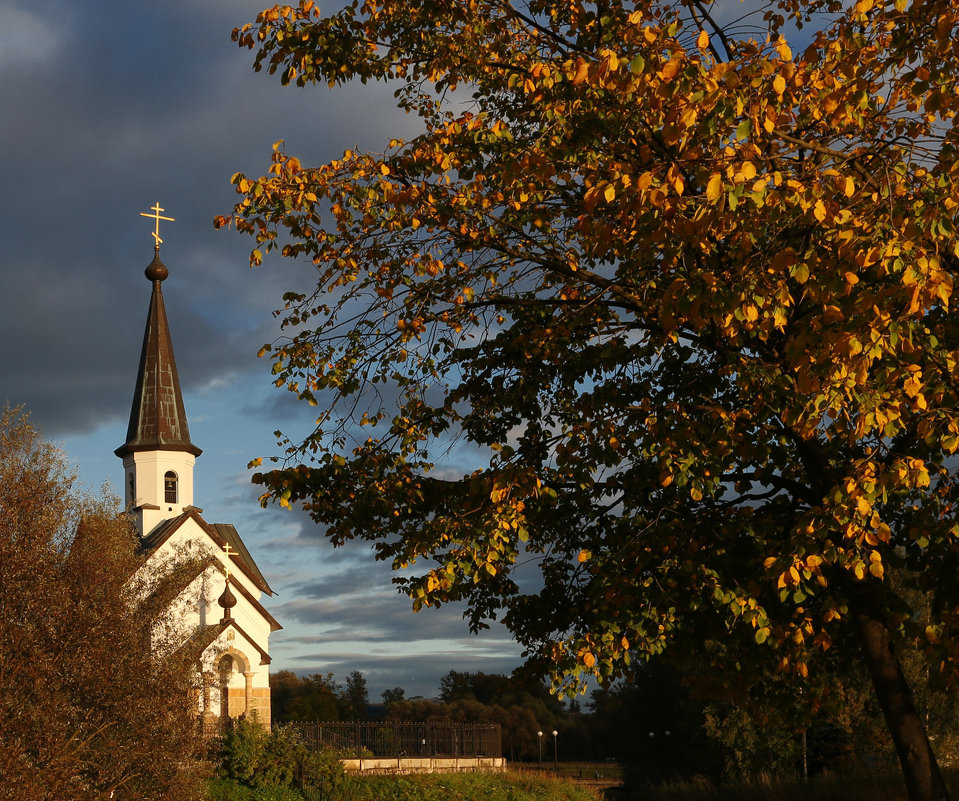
<point x="112" y="107"/>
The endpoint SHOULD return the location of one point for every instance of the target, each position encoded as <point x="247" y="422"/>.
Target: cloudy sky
<point x="112" y="106"/>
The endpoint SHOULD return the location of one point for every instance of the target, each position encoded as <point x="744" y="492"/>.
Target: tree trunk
<point x="924" y="780"/>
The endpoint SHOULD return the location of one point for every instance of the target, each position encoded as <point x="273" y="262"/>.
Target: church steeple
<point x="158" y="455"/>
<point x="158" y="418"/>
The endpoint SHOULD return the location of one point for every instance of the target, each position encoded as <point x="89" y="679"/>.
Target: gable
<point x="207" y="638"/>
<point x="221" y="534"/>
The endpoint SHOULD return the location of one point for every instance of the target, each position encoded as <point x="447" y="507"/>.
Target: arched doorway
<point x="234" y="679"/>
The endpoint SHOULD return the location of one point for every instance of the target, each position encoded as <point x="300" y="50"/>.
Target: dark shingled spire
<point x="157" y="419"/>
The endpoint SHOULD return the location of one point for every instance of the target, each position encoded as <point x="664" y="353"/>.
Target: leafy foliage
<point x="680" y="290"/>
<point x="85" y="711"/>
<point x="277" y="759"/>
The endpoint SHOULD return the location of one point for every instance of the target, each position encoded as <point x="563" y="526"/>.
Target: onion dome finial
<point x="227" y="600"/>
<point x="156" y="270"/>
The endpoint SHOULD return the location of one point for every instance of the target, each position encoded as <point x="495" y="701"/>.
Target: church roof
<point x="221" y="534"/>
<point x="157" y="418"/>
<point x="230" y="535"/>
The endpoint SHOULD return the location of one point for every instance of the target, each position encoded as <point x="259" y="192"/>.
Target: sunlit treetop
<point x="658" y="302"/>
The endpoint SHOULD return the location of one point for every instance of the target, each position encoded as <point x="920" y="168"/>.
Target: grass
<point x="508" y="786"/>
<point x="875" y="786"/>
<point x="533" y="784"/>
<point x="612" y="771"/>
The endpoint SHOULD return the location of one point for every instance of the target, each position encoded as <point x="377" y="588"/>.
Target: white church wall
<point x="148" y="469"/>
<point x="197" y="606"/>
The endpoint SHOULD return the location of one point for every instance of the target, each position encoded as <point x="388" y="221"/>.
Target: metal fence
<point x="369" y="740"/>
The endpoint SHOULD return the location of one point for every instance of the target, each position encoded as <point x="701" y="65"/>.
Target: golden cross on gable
<point x="227" y="549"/>
<point x="156" y="209"/>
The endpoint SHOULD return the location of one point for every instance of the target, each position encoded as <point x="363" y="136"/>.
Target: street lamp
<point x="539" y="734"/>
<point x="555" y="760"/>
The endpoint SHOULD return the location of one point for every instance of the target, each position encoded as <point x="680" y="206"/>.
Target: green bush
<point x="283" y="753"/>
<point x="224" y="789"/>
<point x="321" y="774"/>
<point x="242" y="750"/>
<point x="274" y="766"/>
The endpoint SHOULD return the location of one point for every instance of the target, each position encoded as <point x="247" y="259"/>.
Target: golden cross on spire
<point x="227" y="549"/>
<point x="155" y="208"/>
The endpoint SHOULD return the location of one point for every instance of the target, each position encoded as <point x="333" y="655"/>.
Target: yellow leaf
<point x="588" y="659"/>
<point x="582" y="71"/>
<point x="702" y="41"/>
<point x="779" y="85"/>
<point x="609" y="193"/>
<point x="670" y="69"/>
<point x="610" y="61"/>
<point x="714" y="189"/>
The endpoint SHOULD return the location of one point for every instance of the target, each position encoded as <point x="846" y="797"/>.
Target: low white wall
<point x="424" y="764"/>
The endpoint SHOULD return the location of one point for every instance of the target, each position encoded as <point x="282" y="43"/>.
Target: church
<point x="216" y="614"/>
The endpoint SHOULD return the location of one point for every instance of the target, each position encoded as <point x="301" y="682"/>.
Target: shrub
<point x="322" y="774"/>
<point x="242" y="751"/>
<point x="276" y="760"/>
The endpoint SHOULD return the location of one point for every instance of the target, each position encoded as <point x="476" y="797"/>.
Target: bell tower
<point x="158" y="456"/>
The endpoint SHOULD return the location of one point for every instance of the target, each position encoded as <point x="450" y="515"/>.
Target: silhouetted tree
<point x="390" y="696"/>
<point x="355" y="698"/>
<point x="313" y="697"/>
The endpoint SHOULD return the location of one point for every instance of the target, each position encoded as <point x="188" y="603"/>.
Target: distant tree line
<point x="318" y="697"/>
<point x="662" y="723"/>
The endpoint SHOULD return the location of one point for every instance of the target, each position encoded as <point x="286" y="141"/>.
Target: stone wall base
<point x="400" y="765"/>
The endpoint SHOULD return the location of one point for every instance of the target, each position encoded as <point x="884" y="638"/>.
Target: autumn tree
<point x="677" y="286"/>
<point x="86" y="712"/>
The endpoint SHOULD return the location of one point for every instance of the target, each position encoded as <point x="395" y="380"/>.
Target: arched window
<point x="169" y="486"/>
<point x="131" y="490"/>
